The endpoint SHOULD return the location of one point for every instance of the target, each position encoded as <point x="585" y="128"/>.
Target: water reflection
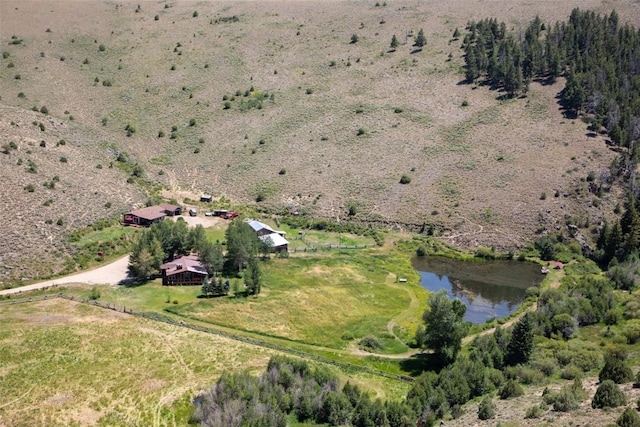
<point x="489" y="289"/>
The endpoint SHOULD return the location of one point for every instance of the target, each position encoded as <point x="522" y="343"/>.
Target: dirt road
<point x="110" y="274"/>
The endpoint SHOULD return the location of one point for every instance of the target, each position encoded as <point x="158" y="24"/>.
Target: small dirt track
<point x="110" y="274"/>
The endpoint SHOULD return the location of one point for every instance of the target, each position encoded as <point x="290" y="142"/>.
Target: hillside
<point x="314" y="122"/>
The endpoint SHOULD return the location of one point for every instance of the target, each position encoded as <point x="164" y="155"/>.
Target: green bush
<point x="94" y="294"/>
<point x="534" y="412"/>
<point x="571" y="372"/>
<point x="629" y="418"/>
<point x="510" y="389"/>
<point x="486" y="409"/>
<point x="608" y="395"/>
<point x="370" y="342"/>
<point x="616" y="370"/>
<point x="546" y="366"/>
<point x="405" y="179"/>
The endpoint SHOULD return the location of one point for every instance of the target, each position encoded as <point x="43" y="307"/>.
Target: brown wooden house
<point x="146" y="216"/>
<point x="185" y="270"/>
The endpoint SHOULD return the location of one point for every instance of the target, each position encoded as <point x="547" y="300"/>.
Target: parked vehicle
<point x="193" y="212"/>
<point x="208" y="213"/>
<point x="230" y="215"/>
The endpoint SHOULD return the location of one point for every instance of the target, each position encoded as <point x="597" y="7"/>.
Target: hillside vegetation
<point x="278" y="104"/>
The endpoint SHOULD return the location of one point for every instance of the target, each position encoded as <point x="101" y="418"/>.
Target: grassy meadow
<point x="327" y="299"/>
<point x="65" y="363"/>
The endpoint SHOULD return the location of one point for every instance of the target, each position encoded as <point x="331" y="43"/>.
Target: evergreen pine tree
<point x="521" y="344"/>
<point x="421" y="40"/>
<point x="394" y="42"/>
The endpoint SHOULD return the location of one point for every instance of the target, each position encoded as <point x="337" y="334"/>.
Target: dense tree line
<point x="599" y="57"/>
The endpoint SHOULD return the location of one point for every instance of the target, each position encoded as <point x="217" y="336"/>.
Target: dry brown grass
<point x="450" y="152"/>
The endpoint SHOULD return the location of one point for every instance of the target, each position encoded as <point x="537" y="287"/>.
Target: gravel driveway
<point x="110" y="274"/>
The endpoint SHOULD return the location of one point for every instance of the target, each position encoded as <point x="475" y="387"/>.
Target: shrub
<point x="571" y="372"/>
<point x="546" y="366"/>
<point x="282" y="171"/>
<point x="510" y="389"/>
<point x="21" y="95"/>
<point x="102" y="48"/>
<point x="29" y="188"/>
<point x="486" y="409"/>
<point x="43" y="143"/>
<point x="195" y="14"/>
<point x="94" y="294"/>
<point x="533" y="412"/>
<point x="568" y="399"/>
<point x="192" y="122"/>
<point x="616" y="370"/>
<point x="354" y="38"/>
<point x="398" y="110"/>
<point x="608" y="395"/>
<point x="361" y="131"/>
<point x="370" y="342"/>
<point x="309" y="91"/>
<point x="629" y="418"/>
<point x="405" y="179"/>
<point x="63" y="159"/>
<point x="60" y="222"/>
<point x="421" y="251"/>
<point x="465" y="103"/>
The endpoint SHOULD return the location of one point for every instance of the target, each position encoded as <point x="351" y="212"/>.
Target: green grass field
<point x="325" y="300"/>
<point x="65" y="363"/>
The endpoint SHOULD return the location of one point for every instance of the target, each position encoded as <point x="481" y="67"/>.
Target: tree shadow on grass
<point x="421" y="362"/>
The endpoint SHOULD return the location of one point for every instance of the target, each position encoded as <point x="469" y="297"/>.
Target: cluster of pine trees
<point x="599" y="57"/>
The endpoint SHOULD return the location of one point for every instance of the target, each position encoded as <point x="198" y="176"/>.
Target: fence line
<point x="180" y="323"/>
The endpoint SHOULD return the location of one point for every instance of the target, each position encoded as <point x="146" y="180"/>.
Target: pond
<point x="490" y="289"/>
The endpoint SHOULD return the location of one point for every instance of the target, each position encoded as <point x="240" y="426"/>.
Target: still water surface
<point x="490" y="289"/>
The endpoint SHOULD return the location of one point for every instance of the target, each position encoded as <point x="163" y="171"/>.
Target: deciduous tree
<point x="444" y="329"/>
